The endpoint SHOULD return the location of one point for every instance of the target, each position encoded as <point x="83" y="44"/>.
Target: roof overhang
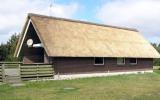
<point x="23" y="35"/>
<point x="119" y="42"/>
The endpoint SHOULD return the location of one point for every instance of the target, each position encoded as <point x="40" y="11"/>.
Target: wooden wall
<point x="64" y="65"/>
<point x="30" y="54"/>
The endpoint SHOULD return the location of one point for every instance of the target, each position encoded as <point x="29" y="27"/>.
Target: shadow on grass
<point x="67" y="90"/>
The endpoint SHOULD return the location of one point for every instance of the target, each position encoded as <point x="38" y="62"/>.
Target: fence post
<point x="37" y="72"/>
<point x="3" y="73"/>
<point x="19" y="66"/>
<point x="53" y="70"/>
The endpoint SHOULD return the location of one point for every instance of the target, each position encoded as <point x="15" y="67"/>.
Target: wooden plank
<point x="29" y="72"/>
<point x="10" y="62"/>
<point x="45" y="66"/>
<point x="27" y="79"/>
<point x="46" y="69"/>
<point x="11" y="66"/>
<point x="44" y="74"/>
<point x="50" y="71"/>
<point x="36" y="66"/>
<point x="26" y="67"/>
<point x="35" y="72"/>
<point x="36" y="75"/>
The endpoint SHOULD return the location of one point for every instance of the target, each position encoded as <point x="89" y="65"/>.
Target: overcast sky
<point x="141" y="14"/>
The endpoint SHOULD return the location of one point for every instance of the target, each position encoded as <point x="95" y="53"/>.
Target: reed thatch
<point x="72" y="38"/>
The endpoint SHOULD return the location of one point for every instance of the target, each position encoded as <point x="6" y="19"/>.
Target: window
<point x="99" y="61"/>
<point x="120" y="61"/>
<point x="133" y="61"/>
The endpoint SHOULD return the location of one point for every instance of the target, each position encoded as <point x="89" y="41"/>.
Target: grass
<point x="124" y="87"/>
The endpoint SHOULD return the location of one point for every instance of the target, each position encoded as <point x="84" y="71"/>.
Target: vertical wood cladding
<point x="30" y="54"/>
<point x="64" y="65"/>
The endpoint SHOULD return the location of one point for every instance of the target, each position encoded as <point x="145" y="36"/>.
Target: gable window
<point x="99" y="61"/>
<point x="133" y="61"/>
<point x="120" y="61"/>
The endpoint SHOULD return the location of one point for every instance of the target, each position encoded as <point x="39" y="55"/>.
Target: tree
<point x="7" y="50"/>
<point x="11" y="45"/>
<point x="156" y="62"/>
<point x="3" y="52"/>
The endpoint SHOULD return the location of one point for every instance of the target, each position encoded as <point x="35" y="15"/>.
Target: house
<point x="74" y="46"/>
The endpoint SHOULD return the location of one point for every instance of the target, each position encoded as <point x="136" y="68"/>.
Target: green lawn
<point x="124" y="87"/>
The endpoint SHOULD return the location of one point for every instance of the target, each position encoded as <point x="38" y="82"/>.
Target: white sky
<point x="13" y="13"/>
<point x="141" y="14"/>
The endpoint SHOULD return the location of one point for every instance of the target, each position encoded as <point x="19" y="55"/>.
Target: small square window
<point x="99" y="61"/>
<point x="120" y="61"/>
<point x="133" y="61"/>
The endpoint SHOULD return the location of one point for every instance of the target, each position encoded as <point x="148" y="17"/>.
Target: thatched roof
<point x="72" y="38"/>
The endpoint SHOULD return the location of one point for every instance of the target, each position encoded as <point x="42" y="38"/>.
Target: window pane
<point x="99" y="60"/>
<point x="133" y="60"/>
<point x="120" y="61"/>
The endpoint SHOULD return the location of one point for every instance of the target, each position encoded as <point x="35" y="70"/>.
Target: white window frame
<point x="98" y="57"/>
<point x="133" y="63"/>
<point x="121" y="63"/>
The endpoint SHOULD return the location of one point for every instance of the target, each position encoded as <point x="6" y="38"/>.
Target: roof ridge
<point x="80" y="21"/>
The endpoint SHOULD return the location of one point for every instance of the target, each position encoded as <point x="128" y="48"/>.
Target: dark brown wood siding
<point x="33" y="55"/>
<point x="30" y="54"/>
<point x="64" y="65"/>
